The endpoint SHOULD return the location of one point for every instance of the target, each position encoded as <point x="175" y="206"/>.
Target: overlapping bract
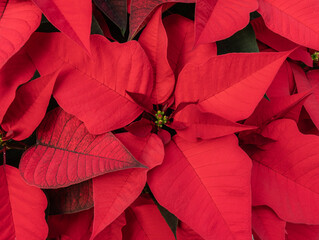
<point x="206" y="176"/>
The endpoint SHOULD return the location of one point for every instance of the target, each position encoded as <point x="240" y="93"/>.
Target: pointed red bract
<point x="144" y="221"/>
<point x="295" y="20"/>
<point x="114" y="230"/>
<point x="231" y="85"/>
<point x="186" y="233"/>
<point x="303" y="84"/>
<point x="71" y="17"/>
<point x="276" y="108"/>
<point x="29" y="107"/>
<point x="154" y="42"/>
<point x="197" y="181"/>
<point x="18" y="70"/>
<point x="219" y="19"/>
<point x="267" y="225"/>
<point x="101" y="81"/>
<point x="283" y="84"/>
<point x="192" y="124"/>
<point x="284" y="174"/>
<point x="280" y="43"/>
<point x="66" y="153"/>
<point x="21" y="207"/>
<point x="181" y="38"/>
<point x="19" y="20"/>
<point x="123" y="187"/>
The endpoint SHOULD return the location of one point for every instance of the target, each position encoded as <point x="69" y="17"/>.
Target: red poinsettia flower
<point x="208" y="93"/>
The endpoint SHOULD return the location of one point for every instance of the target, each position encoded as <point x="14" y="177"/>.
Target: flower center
<point x="161" y="119"/>
<point x="315" y="56"/>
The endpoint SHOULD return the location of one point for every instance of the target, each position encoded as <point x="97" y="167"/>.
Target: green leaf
<point x="115" y="10"/>
<point x="169" y="217"/>
<point x="242" y="41"/>
<point x="95" y="27"/>
<point x="265" y="96"/>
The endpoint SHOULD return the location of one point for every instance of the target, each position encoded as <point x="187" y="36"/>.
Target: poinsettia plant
<point x="159" y="119"/>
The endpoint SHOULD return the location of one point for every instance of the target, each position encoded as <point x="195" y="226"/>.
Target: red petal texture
<point x="141" y="128"/>
<point x="303" y="84"/>
<point x="76" y="226"/>
<point x="114" y="230"/>
<point x="144" y="221"/>
<point x="19" y="20"/>
<point x="295" y="20"/>
<point x="66" y="153"/>
<point x="21" y="207"/>
<point x="72" y="17"/>
<point x="267" y="225"/>
<point x="200" y="182"/>
<point x="284" y="173"/>
<point x="280" y="43"/>
<point x="195" y="124"/>
<point x="181" y="38"/>
<point x="276" y="108"/>
<point x="229" y="85"/>
<point x="141" y="12"/>
<point x="101" y="81"/>
<point x="114" y="192"/>
<point x="283" y="84"/>
<point x="302" y="231"/>
<point x="18" y="70"/>
<point x="219" y="19"/>
<point x="72" y="199"/>
<point x="3" y="5"/>
<point x="186" y="233"/>
<point x="29" y="107"/>
<point x="154" y="42"/>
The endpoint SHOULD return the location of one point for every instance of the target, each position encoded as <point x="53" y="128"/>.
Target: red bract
<point x="123" y="187"/>
<point x="19" y="201"/>
<point x="267" y="225"/>
<point x="76" y="26"/>
<point x="18" y="20"/>
<point x="159" y="137"/>
<point x="102" y="81"/>
<point x="144" y="221"/>
<point x="296" y="21"/>
<point x="215" y="19"/>
<point x="66" y="153"/>
<point x="29" y="106"/>
<point x="287" y="166"/>
<point x="195" y="183"/>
